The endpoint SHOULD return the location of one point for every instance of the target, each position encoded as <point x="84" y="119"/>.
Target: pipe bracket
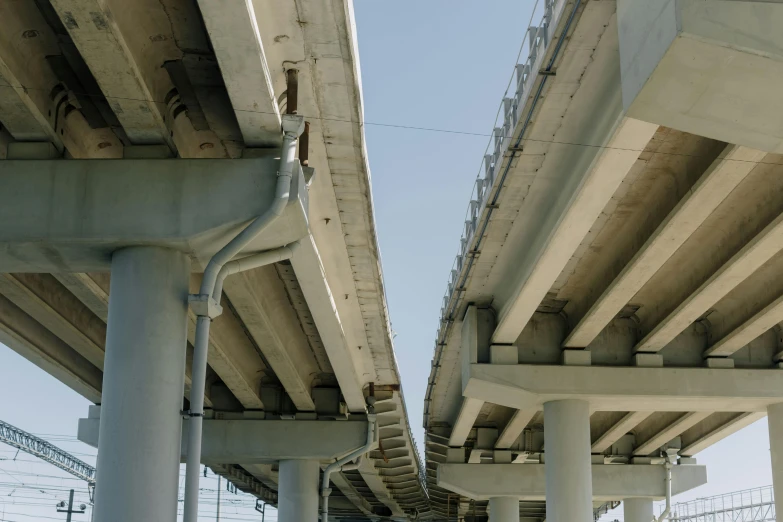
<point x="204" y="305"/>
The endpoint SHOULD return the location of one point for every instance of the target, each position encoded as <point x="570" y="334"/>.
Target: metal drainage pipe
<point x="207" y="302"/>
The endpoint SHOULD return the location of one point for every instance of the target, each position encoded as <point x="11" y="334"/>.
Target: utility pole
<point x="70" y="509"/>
<point x="217" y="517"/>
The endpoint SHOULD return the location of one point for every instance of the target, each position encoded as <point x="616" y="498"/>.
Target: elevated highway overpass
<point x="136" y="140"/>
<point x="615" y="305"/>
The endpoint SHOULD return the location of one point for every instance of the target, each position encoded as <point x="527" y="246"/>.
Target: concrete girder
<point x="519" y="420"/>
<point x="753" y="255"/>
<point x="701" y="390"/>
<point x="684" y="422"/>
<point x="733" y="165"/>
<point x="761" y="322"/>
<point x="623" y="426"/>
<point x="261" y="441"/>
<point x="44" y="299"/>
<point x="468" y="412"/>
<point x="724" y="430"/>
<point x="31" y="340"/>
<point x="233" y="31"/>
<point x="315" y="287"/>
<point x="375" y="481"/>
<point x="527" y="481"/>
<point x="260" y="301"/>
<point x="622" y="148"/>
<point x="680" y="61"/>
<point x="346" y="488"/>
<point x="192" y="205"/>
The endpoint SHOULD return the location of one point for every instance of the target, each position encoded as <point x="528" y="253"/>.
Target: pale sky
<point x="438" y="64"/>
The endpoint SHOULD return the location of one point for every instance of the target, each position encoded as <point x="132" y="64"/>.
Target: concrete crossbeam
<point x="626" y="388"/>
<point x="527" y="481"/>
<point x="669" y="432"/>
<point x="726" y="172"/>
<point x="315" y="287"/>
<point x="606" y="173"/>
<point x="736" y="270"/>
<point x="234" y="34"/>
<point x="259" y="441"/>
<point x="721" y="432"/>
<point x="680" y="61"/>
<point x="192" y="205"/>
<point x="623" y="426"/>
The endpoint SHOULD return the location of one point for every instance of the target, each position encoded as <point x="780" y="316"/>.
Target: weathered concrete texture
<point x="526" y="481"/>
<point x="710" y="68"/>
<point x="68" y="216"/>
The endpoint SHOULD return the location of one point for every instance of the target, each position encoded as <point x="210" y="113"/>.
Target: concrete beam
<point x="468" y="413"/>
<point x="607" y="171"/>
<point x="757" y="252"/>
<point x="726" y="172"/>
<point x="44" y="299"/>
<point x="674" y="429"/>
<point x="28" y="338"/>
<point x="748" y="331"/>
<point x="514" y="428"/>
<point x="110" y="53"/>
<point x="626" y="388"/>
<point x="527" y="481"/>
<point x="680" y="60"/>
<point x="261" y="441"/>
<point x="233" y="31"/>
<point x="189" y="205"/>
<point x="623" y="426"/>
<point x="260" y="300"/>
<point x="88" y="291"/>
<point x="721" y="432"/>
<point x="311" y="277"/>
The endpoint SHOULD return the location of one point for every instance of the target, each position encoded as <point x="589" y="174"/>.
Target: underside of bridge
<point x="184" y="103"/>
<point x="616" y="303"/>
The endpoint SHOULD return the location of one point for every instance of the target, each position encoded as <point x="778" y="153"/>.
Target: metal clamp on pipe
<point x="340" y="464"/>
<point x="206" y="304"/>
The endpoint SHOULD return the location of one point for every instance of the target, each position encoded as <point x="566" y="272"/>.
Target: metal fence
<point x="750" y="505"/>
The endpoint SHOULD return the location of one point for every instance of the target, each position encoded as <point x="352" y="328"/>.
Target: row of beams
<point x="608" y="171"/>
<point x="757" y="252"/>
<point x="721" y="432"/>
<point x="748" y="331"/>
<point x="688" y="420"/>
<point x="733" y="165"/>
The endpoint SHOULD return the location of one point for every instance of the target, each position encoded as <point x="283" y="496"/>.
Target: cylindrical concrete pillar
<point x="143" y="384"/>
<point x="775" y="426"/>
<point x="503" y="509"/>
<point x="638" y="510"/>
<point x="297" y="491"/>
<point x="569" y="480"/>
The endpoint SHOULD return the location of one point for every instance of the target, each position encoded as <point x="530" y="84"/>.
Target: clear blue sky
<point x="425" y="63"/>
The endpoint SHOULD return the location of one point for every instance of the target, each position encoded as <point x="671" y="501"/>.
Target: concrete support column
<point x="503" y="509"/>
<point x="569" y="480"/>
<point x="638" y="510"/>
<point x="775" y="422"/>
<point x="143" y="385"/>
<point x="297" y="492"/>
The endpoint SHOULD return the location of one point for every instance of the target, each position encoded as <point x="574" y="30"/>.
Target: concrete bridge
<point x="614" y="308"/>
<point x="142" y="142"/>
